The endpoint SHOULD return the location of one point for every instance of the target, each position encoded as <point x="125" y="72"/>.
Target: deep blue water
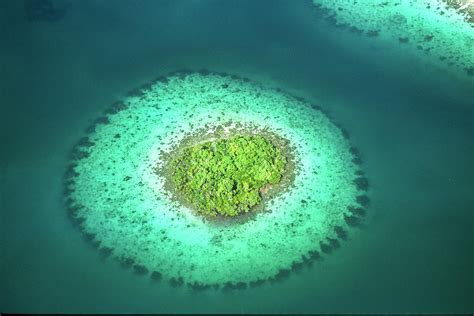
<point x="413" y="125"/>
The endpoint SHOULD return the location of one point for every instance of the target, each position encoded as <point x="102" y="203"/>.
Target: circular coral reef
<point x="165" y="180"/>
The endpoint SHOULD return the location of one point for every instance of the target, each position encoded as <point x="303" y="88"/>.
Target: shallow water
<point x="413" y="125"/>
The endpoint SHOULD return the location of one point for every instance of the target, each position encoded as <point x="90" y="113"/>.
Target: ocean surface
<point x="412" y="123"/>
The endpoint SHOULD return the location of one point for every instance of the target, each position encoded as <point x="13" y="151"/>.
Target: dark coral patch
<point x="116" y="107"/>
<point x="334" y="243"/>
<point x="314" y="255"/>
<point x="353" y="150"/>
<point x="176" y="282"/>
<point x="257" y="283"/>
<point x="85" y="142"/>
<point x="352" y="220"/>
<point x="155" y="275"/>
<point x="373" y="33"/>
<point x="363" y="200"/>
<point x="325" y="248"/>
<point x="283" y="274"/>
<point x="45" y="10"/>
<point x="357" y="211"/>
<point x="204" y="72"/>
<point x="403" y="40"/>
<point x="362" y="183"/>
<point x="140" y="269"/>
<point x="126" y="262"/>
<point x="356" y="30"/>
<point x="71" y="171"/>
<point x="102" y="120"/>
<point x="340" y="232"/>
<point x="105" y="252"/>
<point x="90" y="238"/>
<point x="359" y="173"/>
<point x="428" y="38"/>
<point x="77" y="154"/>
<point x="198" y="286"/>
<point x="357" y="161"/>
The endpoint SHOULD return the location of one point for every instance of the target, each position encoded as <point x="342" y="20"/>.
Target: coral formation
<point x="117" y="182"/>
<point x="442" y="31"/>
<point x="45" y="10"/>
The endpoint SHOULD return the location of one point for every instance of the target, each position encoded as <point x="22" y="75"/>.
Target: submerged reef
<point x="439" y="31"/>
<point x="214" y="181"/>
<point x="46" y="10"/>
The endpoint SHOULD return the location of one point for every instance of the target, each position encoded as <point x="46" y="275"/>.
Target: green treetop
<point x="225" y="176"/>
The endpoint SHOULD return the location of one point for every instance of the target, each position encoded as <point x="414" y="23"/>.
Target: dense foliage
<point x="225" y="176"/>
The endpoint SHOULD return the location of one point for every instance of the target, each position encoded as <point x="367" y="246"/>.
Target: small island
<point x="227" y="176"/>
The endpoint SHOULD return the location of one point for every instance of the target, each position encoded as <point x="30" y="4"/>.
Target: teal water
<point x="413" y="125"/>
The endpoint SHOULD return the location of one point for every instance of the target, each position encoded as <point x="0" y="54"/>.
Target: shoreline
<point x="224" y="131"/>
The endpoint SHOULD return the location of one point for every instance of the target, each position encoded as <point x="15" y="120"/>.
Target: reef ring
<point x="114" y="191"/>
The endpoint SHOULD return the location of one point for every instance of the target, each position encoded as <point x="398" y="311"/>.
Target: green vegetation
<point x="225" y="176"/>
